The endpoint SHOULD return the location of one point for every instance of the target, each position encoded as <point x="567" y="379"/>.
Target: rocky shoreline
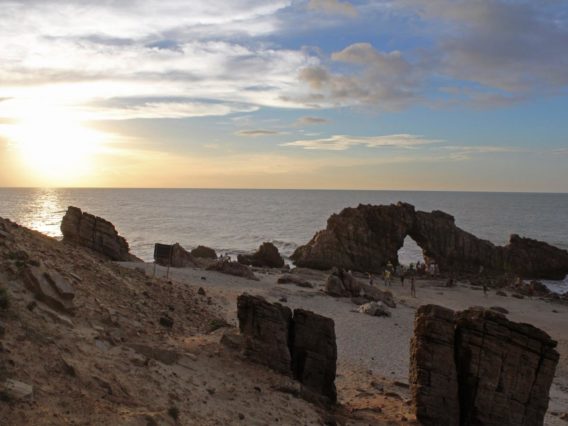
<point x="132" y="346"/>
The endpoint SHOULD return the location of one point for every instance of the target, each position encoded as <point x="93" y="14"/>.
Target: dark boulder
<point x="266" y="332"/>
<point x="96" y="234"/>
<point x="314" y="353"/>
<point x="477" y="367"/>
<point x="267" y="255"/>
<point x="204" y="252"/>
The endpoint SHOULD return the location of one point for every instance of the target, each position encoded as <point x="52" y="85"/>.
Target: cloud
<point x="344" y="142"/>
<point x="309" y="121"/>
<point x="520" y="47"/>
<point x="386" y="80"/>
<point x="258" y="132"/>
<point x="87" y="53"/>
<point x="333" y="7"/>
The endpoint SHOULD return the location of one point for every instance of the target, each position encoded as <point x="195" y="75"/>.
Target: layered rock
<point x="267" y="255"/>
<point x="367" y="237"/>
<point x="299" y="344"/>
<point x="294" y="279"/>
<point x="314" y="352"/>
<point x="50" y="287"/>
<point x="204" y="252"/>
<point x="174" y="255"/>
<point x="477" y="367"/>
<point x="95" y="233"/>
<point x="266" y="330"/>
<point x="232" y="268"/>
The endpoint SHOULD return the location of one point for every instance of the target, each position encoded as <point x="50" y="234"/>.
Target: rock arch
<point x="365" y="238"/>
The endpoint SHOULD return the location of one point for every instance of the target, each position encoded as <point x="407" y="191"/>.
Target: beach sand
<point x="375" y="351"/>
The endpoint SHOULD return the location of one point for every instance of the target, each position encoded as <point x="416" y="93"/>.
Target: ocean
<point x="234" y="221"/>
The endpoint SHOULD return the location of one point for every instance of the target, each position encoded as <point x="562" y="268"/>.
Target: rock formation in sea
<point x="366" y="238"/>
<point x="476" y="367"/>
<point x="267" y="255"/>
<point x="300" y="344"/>
<point x="96" y="234"/>
<point x="177" y="257"/>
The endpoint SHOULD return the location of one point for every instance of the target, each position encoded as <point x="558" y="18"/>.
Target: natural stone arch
<point x="365" y="238"/>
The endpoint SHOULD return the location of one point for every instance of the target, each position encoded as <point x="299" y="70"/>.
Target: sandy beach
<point x="380" y="346"/>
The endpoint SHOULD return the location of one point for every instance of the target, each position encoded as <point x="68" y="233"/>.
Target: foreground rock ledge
<point x="95" y="233"/>
<point x="478" y="368"/>
<point x="365" y="238"/>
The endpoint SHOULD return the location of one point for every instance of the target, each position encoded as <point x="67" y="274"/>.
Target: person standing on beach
<point x="387" y="278"/>
<point x="371" y="279"/>
<point x="402" y="274"/>
<point x="411" y="274"/>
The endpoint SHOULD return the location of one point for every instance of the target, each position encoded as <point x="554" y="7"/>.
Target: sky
<point x="366" y="94"/>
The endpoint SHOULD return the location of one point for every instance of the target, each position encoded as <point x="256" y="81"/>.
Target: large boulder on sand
<point x="478" y="368"/>
<point x="267" y="255"/>
<point x="95" y="233"/>
<point x="342" y="284"/>
<point x="232" y="268"/>
<point x="204" y="252"/>
<point x="300" y="344"/>
<point x="294" y="279"/>
<point x="266" y="332"/>
<point x="375" y="309"/>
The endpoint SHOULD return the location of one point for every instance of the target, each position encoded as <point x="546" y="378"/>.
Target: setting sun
<point x="54" y="146"/>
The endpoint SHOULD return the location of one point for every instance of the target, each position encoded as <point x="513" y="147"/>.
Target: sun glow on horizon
<point x="54" y="145"/>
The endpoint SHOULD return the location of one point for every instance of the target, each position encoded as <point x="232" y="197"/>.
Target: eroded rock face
<point x="314" y="353"/>
<point x="266" y="330"/>
<point x="267" y="255"/>
<point x="300" y="344"/>
<point x="478" y="367"/>
<point x="204" y="252"/>
<point x="50" y="287"/>
<point x="180" y="258"/>
<point x="95" y="233"/>
<point x="367" y="237"/>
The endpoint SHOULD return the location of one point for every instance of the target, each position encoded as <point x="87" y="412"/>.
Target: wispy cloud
<point x="257" y="132"/>
<point x="344" y="142"/>
<point x="310" y="121"/>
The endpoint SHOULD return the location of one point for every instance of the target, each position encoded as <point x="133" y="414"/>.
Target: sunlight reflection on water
<point x="44" y="212"/>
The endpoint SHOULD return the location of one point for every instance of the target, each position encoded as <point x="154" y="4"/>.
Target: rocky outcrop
<point x="342" y="284"/>
<point x="477" y="367"/>
<point x="266" y="330"/>
<point x="314" y="352"/>
<point x="174" y="255"/>
<point x="367" y="237"/>
<point x="299" y="344"/>
<point x="95" y="233"/>
<point x="433" y="372"/>
<point x="204" y="252"/>
<point x="267" y="255"/>
<point x="50" y="287"/>
<point x="232" y="268"/>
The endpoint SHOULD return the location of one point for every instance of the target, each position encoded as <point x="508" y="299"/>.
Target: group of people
<point x="400" y="271"/>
